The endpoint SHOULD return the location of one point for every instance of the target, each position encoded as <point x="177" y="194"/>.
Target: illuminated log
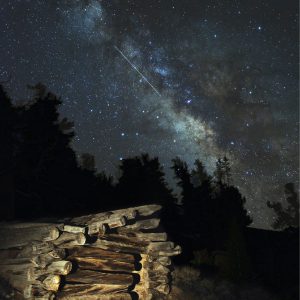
<point x="90" y="277"/>
<point x="141" y="225"/>
<point x="11" y="237"/>
<point x="75" y="291"/>
<point x="87" y="251"/>
<point x="68" y="240"/>
<point x="62" y="267"/>
<point x="92" y="263"/>
<point x="121" y="244"/>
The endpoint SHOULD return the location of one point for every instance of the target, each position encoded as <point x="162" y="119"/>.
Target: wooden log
<point x="144" y="292"/>
<point x="97" y="227"/>
<point x="141" y="225"/>
<point x="62" y="267"/>
<point x="15" y="268"/>
<point x="18" y="237"/>
<point x="102" y="226"/>
<point x="129" y="213"/>
<point x="154" y="237"/>
<point x="74" y="296"/>
<point x="90" y="277"/>
<point x="92" y="263"/>
<point x="68" y="239"/>
<point x="45" y="296"/>
<point x="160" y="287"/>
<point x="15" y="261"/>
<point x="74" y="229"/>
<point x="147" y="237"/>
<point x="116" y="221"/>
<point x="156" y="268"/>
<point x="164" y="260"/>
<point x="89" y="219"/>
<point x="45" y="259"/>
<point x="9" y="253"/>
<point x="173" y="252"/>
<point x="147" y="210"/>
<point x="55" y="268"/>
<point x="159" y="279"/>
<point x="34" y="273"/>
<point x="109" y="216"/>
<point x="92" y="222"/>
<point x="21" y="282"/>
<point x="23" y="225"/>
<point x="87" y="251"/>
<point x="142" y="287"/>
<point x="161" y="246"/>
<point x="17" y="281"/>
<point x="35" y="291"/>
<point x="36" y="248"/>
<point x="121" y="244"/>
<point x="51" y="283"/>
<point x="95" y="221"/>
<point x="156" y="294"/>
<point x="70" y="291"/>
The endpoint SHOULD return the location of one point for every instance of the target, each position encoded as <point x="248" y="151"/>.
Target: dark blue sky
<point x="226" y="72"/>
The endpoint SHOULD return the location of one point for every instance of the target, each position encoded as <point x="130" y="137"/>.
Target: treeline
<point x="40" y="176"/>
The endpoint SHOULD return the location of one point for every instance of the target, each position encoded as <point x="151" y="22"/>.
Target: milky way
<point x="226" y="76"/>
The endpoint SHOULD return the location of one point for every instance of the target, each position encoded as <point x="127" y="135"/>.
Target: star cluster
<point x="226" y="73"/>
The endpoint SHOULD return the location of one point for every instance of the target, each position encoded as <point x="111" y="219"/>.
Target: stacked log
<point x="30" y="261"/>
<point x="121" y="254"/>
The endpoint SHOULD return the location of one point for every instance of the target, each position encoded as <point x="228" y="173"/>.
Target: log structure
<point x="121" y="254"/>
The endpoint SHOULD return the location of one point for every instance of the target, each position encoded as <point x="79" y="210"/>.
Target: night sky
<point x="219" y="78"/>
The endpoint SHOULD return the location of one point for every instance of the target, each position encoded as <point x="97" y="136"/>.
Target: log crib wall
<point x="121" y="254"/>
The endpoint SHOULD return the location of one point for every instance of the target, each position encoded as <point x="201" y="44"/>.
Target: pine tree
<point x="142" y="181"/>
<point x="8" y="137"/>
<point x="183" y="177"/>
<point x="289" y="216"/>
<point x="199" y="174"/>
<point x="87" y="162"/>
<point x="223" y="171"/>
<point x="38" y="167"/>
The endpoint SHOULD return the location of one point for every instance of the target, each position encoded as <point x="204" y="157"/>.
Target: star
<point x="226" y="82"/>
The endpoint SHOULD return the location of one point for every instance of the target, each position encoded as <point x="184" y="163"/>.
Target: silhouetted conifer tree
<point x="184" y="180"/>
<point x="142" y="181"/>
<point x="209" y="206"/>
<point x="237" y="263"/>
<point x="38" y="165"/>
<point x="289" y="216"/>
<point x="8" y="137"/>
<point x="223" y="171"/>
<point x="199" y="174"/>
<point x="87" y="162"/>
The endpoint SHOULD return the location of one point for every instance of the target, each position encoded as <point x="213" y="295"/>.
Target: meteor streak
<point x="136" y="69"/>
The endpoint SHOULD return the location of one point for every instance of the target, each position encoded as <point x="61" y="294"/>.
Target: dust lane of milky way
<point x="226" y="72"/>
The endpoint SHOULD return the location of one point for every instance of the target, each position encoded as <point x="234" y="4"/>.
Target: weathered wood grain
<point x="18" y="237"/>
<point x="92" y="263"/>
<point x="84" y="290"/>
<point x="69" y="239"/>
<point x="90" y="277"/>
<point x="87" y="251"/>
